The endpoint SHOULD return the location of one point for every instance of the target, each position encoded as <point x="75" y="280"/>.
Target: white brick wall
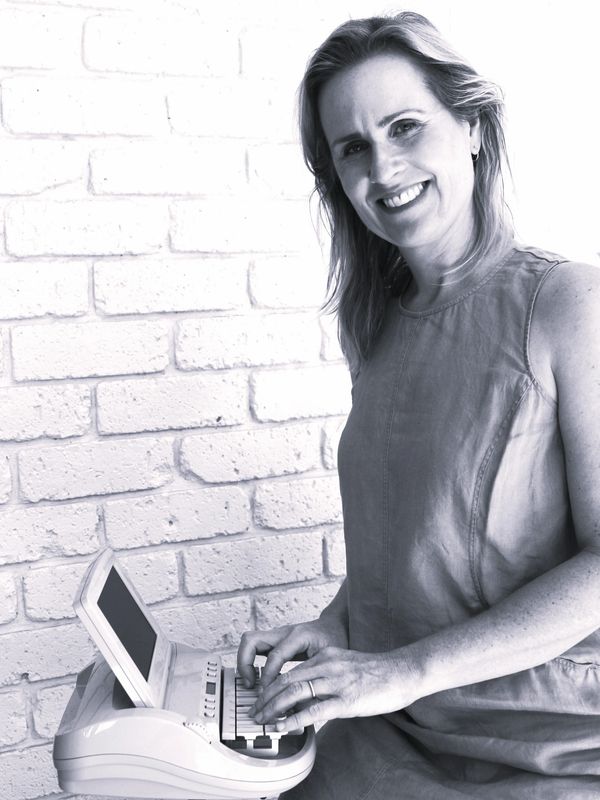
<point x="48" y="707"/>
<point x="153" y="404"/>
<point x="282" y="394"/>
<point x="195" y="284"/>
<point x="165" y="388"/>
<point x="80" y="470"/>
<point x="178" y="168"/>
<point x="8" y="598"/>
<point x="42" y="41"/>
<point x="243" y="341"/>
<point x="176" y="516"/>
<point x="297" y="504"/>
<point x="254" y="453"/>
<point x="76" y="106"/>
<point x="84" y="227"/>
<point x="252" y="226"/>
<point x="5" y="479"/>
<point x="13" y="713"/>
<point x="30" y="166"/>
<point x="29" y="534"/>
<point x="28" y="774"/>
<point x="247" y="109"/>
<point x="30" y="412"/>
<point x="38" y="289"/>
<point x="166" y="385"/>
<point x="247" y="563"/>
<point x="176" y="45"/>
<point x="286" y="281"/>
<point x="82" y="350"/>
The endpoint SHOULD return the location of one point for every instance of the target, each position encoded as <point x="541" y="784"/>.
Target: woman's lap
<point x="371" y="759"/>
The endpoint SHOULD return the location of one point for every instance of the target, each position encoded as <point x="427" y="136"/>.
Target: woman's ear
<point x="475" y="135"/>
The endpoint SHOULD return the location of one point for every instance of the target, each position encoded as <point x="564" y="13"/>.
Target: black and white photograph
<point x="299" y="400"/>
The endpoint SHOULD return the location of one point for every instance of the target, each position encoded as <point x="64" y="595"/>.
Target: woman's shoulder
<point x="565" y="318"/>
<point x="568" y="289"/>
<point x="559" y="282"/>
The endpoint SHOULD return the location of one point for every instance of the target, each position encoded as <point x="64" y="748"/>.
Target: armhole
<point x="540" y="386"/>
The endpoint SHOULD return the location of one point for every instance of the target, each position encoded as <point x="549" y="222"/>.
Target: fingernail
<point x="280" y="725"/>
<point x="247" y="683"/>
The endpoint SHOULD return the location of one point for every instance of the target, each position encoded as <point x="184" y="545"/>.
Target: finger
<point x="293" y="687"/>
<point x="252" y="643"/>
<point x="294" y="693"/>
<point x="320" y="711"/>
<point x="286" y="650"/>
<point x="315" y="668"/>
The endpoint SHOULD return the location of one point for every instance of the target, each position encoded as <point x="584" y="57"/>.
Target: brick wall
<point x="167" y="384"/>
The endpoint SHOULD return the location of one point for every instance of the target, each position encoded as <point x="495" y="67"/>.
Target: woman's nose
<point x="385" y="163"/>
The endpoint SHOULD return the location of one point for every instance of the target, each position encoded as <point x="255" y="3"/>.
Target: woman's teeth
<point x="404" y="197"/>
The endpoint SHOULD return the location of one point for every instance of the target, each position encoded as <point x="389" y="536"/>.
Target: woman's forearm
<point x="534" y="624"/>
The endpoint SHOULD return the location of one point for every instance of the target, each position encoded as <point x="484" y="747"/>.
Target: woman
<point x="461" y="656"/>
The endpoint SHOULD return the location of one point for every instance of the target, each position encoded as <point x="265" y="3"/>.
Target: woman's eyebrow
<point x="381" y="124"/>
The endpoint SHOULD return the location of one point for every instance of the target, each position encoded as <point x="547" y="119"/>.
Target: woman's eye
<point x="353" y="148"/>
<point x="404" y="126"/>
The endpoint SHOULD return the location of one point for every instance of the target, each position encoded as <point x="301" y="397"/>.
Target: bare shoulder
<point x="570" y="287"/>
<point x="565" y="326"/>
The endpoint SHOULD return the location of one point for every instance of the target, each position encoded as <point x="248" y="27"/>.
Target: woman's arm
<point x="540" y="620"/>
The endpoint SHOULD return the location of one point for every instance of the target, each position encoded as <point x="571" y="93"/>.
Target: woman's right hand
<point x="288" y="643"/>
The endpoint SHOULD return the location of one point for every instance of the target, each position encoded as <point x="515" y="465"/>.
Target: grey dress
<point x="454" y="494"/>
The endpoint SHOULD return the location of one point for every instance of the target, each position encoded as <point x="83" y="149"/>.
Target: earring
<point x="475" y="157"/>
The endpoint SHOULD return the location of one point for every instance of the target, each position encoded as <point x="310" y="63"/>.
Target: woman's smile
<point x="402" y="200"/>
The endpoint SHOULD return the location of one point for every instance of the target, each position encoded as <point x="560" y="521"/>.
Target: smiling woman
<point x="461" y="657"/>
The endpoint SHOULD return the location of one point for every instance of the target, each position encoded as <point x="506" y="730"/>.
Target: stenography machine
<point x="152" y="718"/>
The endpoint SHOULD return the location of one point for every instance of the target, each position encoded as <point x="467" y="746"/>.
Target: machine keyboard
<point x="238" y="729"/>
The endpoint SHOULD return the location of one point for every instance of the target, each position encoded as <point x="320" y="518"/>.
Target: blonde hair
<point x="364" y="268"/>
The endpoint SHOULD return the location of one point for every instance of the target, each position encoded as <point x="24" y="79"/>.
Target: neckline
<point x="424" y="312"/>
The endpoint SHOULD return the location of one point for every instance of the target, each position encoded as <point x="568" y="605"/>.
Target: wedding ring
<point x="312" y="689"/>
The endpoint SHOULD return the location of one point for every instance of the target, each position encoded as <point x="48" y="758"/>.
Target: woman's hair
<point x="363" y="267"/>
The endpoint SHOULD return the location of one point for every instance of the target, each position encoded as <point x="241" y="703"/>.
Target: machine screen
<point x="127" y="620"/>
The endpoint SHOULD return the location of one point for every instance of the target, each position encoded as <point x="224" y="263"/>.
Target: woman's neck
<point x="437" y="277"/>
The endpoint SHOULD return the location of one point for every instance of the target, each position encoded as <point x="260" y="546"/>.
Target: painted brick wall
<point x="167" y="385"/>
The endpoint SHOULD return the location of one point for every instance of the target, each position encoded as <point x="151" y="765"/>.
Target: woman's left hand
<point x="346" y="684"/>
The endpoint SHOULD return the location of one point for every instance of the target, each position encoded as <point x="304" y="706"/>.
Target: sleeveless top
<point x="454" y="494"/>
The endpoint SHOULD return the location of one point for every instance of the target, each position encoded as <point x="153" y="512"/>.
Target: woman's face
<point x="403" y="159"/>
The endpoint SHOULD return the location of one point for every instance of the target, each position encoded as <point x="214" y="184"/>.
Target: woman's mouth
<point x="405" y="198"/>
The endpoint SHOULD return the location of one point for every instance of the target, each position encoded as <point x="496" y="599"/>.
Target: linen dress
<point x="454" y="494"/>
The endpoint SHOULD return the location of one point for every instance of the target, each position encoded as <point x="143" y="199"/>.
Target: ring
<point x="312" y="689"/>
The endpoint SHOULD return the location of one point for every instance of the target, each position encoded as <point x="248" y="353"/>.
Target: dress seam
<point x="385" y="465"/>
<point x="527" y="333"/>
<point x="384" y="769"/>
<point x="481" y="472"/>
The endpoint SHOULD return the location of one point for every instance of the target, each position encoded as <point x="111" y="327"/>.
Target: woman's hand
<point x="346" y="684"/>
<point x="288" y="643"/>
